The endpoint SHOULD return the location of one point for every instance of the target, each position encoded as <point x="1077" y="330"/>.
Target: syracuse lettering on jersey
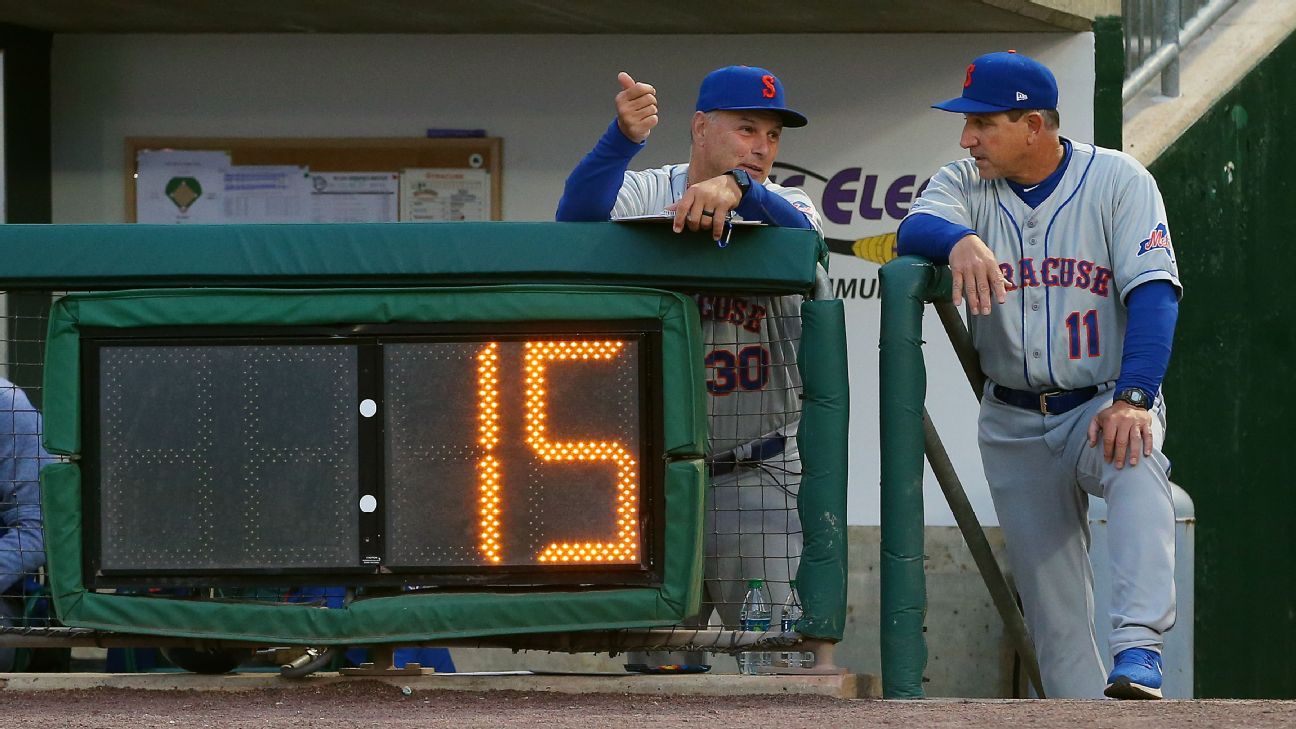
<point x="1062" y="272"/>
<point x="732" y="309"/>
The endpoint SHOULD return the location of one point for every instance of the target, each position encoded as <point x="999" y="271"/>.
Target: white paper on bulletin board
<point x="180" y="186"/>
<point x="267" y="194"/>
<point x="429" y="194"/>
<point x="354" y="197"/>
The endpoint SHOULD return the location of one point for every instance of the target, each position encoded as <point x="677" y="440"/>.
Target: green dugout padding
<point x="908" y="283"/>
<point x="448" y="272"/>
<point x="821" y="439"/>
<point x="409" y="617"/>
<point x="70" y="257"/>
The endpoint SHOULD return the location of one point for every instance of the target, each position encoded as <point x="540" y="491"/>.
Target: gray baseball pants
<point x="1040" y="469"/>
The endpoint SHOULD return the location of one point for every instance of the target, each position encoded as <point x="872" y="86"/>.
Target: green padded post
<point x="821" y="439"/>
<point x="907" y="284"/>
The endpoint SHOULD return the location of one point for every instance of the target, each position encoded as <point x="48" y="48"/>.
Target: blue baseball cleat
<point x="1137" y="675"/>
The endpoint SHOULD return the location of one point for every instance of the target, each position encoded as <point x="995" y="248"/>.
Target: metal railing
<point x="1156" y="31"/>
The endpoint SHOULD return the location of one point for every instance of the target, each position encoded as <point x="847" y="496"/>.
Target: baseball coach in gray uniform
<point x="750" y="342"/>
<point x="1063" y="253"/>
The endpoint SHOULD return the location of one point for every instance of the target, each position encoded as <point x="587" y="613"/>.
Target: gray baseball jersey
<point x="750" y="341"/>
<point x="1069" y="264"/>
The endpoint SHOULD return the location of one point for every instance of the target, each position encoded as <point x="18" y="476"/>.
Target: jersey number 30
<point x="748" y="370"/>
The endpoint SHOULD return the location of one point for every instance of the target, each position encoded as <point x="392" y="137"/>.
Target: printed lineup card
<point x="429" y="194"/>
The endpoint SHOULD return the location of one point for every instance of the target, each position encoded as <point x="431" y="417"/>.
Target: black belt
<point x="761" y="450"/>
<point x="1053" y="402"/>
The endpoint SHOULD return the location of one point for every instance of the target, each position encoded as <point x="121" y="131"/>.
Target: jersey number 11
<point x="1090" y="321"/>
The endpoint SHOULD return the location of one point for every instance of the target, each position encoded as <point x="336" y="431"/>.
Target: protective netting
<point x="753" y="410"/>
<point x="25" y="605"/>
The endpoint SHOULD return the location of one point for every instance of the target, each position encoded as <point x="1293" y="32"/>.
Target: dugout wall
<point x="1228" y="194"/>
<point x="461" y="273"/>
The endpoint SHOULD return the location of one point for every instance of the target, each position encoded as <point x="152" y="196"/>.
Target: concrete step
<point x="841" y="686"/>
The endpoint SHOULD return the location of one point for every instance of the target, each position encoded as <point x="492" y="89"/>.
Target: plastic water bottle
<point x="790" y="616"/>
<point x="756" y="614"/>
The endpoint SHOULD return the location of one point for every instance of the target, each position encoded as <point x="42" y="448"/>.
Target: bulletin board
<point x="336" y="154"/>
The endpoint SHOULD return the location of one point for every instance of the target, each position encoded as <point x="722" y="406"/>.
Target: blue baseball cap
<point x="737" y="88"/>
<point x="1002" y="81"/>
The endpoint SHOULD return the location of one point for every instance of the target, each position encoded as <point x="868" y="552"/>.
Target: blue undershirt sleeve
<point x="592" y="187"/>
<point x="767" y="207"/>
<point x="1149" y="333"/>
<point x="929" y="236"/>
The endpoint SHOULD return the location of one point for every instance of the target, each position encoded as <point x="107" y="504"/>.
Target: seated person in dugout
<point x="22" y="536"/>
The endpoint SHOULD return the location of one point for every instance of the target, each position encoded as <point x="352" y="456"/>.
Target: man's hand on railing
<point x="976" y="274"/>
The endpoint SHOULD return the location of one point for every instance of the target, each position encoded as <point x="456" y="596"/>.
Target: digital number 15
<point x="490" y="470"/>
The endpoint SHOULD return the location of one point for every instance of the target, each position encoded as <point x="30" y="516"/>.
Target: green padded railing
<point x="69" y="257"/>
<point x="908" y="284"/>
<point x="449" y="257"/>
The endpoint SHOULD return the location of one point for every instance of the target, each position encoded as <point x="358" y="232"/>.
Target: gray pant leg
<point x="753" y="531"/>
<point x="1044" y="516"/>
<point x="1140" y="529"/>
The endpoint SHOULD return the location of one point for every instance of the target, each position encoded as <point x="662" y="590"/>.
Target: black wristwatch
<point x="743" y="179"/>
<point x="1136" y="397"/>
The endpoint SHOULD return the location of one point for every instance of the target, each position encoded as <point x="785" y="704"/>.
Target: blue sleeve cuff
<point x="617" y="144"/>
<point x="929" y="236"/>
<point x="761" y="204"/>
<point x="1149" y="335"/>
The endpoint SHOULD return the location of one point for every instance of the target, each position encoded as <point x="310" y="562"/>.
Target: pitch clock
<point x="499" y="452"/>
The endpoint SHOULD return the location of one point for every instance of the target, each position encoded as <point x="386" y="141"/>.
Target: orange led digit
<point x="488" y="467"/>
<point x="625" y="547"/>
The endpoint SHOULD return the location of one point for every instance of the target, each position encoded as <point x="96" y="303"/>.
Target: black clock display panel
<point x="395" y="457"/>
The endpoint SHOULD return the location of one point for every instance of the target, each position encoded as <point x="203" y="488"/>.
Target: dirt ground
<point x="370" y="704"/>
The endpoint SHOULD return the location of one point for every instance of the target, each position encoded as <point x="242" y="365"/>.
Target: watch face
<point x="742" y="178"/>
<point x="1134" y="397"/>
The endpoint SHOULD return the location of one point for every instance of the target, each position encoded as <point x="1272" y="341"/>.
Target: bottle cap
<point x="792" y="584"/>
<point x="755" y="583"/>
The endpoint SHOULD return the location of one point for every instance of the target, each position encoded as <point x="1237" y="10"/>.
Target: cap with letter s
<point x="739" y="88"/>
<point x="1001" y="81"/>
